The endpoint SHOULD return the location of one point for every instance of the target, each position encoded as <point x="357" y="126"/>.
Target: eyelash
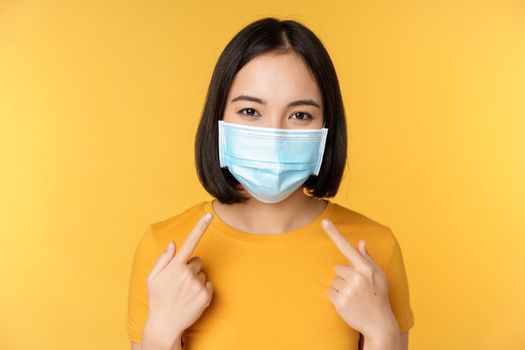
<point x="307" y="114"/>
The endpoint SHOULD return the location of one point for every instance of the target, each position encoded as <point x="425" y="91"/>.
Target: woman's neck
<point x="254" y="216"/>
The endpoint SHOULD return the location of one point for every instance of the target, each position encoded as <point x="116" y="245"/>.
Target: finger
<point x="209" y="285"/>
<point x="343" y="271"/>
<point x="338" y="283"/>
<point x="202" y="277"/>
<point x="332" y="294"/>
<point x="361" y="246"/>
<point x="195" y="264"/>
<point x="193" y="239"/>
<point x="163" y="259"/>
<point x="343" y="244"/>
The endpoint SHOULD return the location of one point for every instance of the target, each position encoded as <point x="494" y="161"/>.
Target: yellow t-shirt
<point x="270" y="291"/>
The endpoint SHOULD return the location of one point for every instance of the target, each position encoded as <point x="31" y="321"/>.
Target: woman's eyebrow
<point x="307" y="102"/>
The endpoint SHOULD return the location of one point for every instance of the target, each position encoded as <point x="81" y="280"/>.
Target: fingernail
<point x="207" y="217"/>
<point x="325" y="223"/>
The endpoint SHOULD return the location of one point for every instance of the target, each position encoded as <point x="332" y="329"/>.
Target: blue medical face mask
<point x="270" y="163"/>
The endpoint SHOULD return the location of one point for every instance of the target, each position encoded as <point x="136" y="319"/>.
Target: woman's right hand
<point x="178" y="291"/>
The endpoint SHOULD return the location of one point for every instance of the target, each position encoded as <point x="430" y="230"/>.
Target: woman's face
<point x="275" y="91"/>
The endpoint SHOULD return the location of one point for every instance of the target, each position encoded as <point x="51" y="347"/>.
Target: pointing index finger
<point x="187" y="248"/>
<point x="342" y="243"/>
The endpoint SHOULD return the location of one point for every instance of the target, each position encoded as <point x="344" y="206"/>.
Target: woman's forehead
<point x="276" y="78"/>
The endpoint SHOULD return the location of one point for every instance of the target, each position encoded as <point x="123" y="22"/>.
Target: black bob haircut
<point x="270" y="35"/>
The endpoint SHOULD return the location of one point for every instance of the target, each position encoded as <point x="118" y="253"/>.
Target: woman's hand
<point x="178" y="291"/>
<point x="360" y="291"/>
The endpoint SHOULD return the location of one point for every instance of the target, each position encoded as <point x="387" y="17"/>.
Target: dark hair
<point x="264" y="36"/>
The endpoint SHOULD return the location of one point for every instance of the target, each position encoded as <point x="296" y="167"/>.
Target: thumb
<point x="163" y="259"/>
<point x="362" y="248"/>
<point x="171" y="247"/>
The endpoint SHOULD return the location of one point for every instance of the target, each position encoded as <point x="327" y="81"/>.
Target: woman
<point x="270" y="262"/>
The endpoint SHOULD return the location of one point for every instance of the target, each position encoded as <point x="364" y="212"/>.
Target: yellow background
<point x="99" y="103"/>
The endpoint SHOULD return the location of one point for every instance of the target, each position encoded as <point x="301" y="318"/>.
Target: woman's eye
<point x="250" y="112"/>
<point x="247" y="109"/>
<point x="302" y="116"/>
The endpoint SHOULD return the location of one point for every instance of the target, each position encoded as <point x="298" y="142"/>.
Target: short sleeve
<point x="138" y="292"/>
<point x="398" y="287"/>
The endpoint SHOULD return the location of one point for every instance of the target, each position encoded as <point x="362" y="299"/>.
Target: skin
<point x="359" y="292"/>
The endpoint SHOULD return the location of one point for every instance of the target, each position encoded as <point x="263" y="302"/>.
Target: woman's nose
<point x="277" y="122"/>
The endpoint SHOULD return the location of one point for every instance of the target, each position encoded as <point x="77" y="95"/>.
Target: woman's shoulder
<point x="380" y="239"/>
<point x="194" y="211"/>
<point x="174" y="227"/>
<point x="346" y="216"/>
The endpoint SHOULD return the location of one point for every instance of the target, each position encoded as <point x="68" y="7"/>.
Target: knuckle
<point x="203" y="291"/>
<point x="195" y="285"/>
<point x="343" y="300"/>
<point x="195" y="261"/>
<point x="368" y="270"/>
<point x="359" y="279"/>
<point x="185" y="272"/>
<point x="342" y="270"/>
<point x="198" y="262"/>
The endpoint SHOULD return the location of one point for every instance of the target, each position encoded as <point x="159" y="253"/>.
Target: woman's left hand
<point x="360" y="291"/>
